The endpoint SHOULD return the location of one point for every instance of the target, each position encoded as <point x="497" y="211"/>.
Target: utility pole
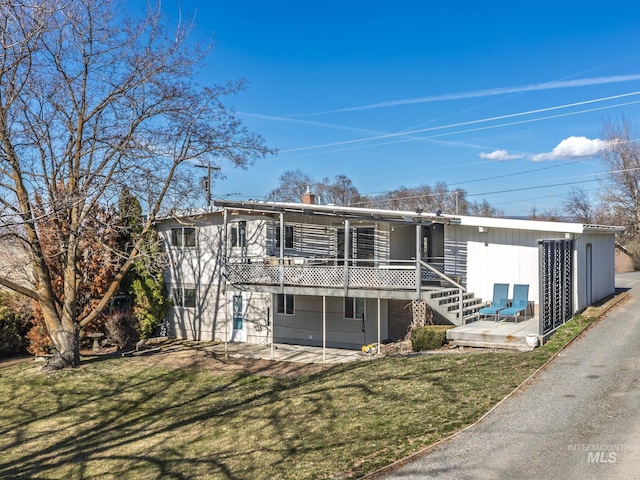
<point x="208" y="178"/>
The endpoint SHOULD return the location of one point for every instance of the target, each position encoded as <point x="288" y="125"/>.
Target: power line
<point x="474" y="122"/>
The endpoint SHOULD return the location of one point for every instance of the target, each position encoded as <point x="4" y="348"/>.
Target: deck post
<point x="347" y="254"/>
<point x="281" y="253"/>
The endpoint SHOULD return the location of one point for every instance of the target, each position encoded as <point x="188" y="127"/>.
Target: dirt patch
<point x="246" y="366"/>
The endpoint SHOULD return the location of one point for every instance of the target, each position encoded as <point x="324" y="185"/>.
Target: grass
<point x="126" y="418"/>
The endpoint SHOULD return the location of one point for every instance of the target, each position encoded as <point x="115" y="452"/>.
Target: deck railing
<point x="335" y="273"/>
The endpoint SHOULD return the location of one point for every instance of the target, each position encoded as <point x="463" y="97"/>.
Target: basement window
<point x="285" y="304"/>
<point x="184" y="297"/>
<point x="353" y="308"/>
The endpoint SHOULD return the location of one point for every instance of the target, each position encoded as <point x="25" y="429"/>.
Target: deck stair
<point x="446" y="302"/>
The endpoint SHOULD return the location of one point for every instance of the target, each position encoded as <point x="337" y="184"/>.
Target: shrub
<point x="428" y="337"/>
<point x="38" y="339"/>
<point x="151" y="303"/>
<point x="15" y="321"/>
<point x="120" y="326"/>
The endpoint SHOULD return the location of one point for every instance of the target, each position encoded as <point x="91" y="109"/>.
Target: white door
<point x="239" y="332"/>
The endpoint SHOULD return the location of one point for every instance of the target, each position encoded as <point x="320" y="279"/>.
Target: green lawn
<point x="127" y="418"/>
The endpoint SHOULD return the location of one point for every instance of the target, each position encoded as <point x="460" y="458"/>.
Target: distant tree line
<point x="292" y="184"/>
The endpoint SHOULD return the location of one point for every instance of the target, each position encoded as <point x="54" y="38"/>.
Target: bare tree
<point x="90" y="101"/>
<point x="579" y="206"/>
<point x="433" y="199"/>
<point x="483" y="209"/>
<point x="292" y="185"/>
<point x="341" y="191"/>
<point x="621" y="157"/>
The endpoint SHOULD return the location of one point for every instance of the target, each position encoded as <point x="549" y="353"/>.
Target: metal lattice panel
<point x="430" y="276"/>
<point x="556" y="274"/>
<point x="313" y="276"/>
<point x="247" y="273"/>
<point x="323" y="276"/>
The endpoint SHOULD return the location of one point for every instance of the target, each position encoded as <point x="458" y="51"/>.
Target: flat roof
<point x="401" y="216"/>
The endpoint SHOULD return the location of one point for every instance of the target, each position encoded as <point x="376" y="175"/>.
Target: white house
<point x="302" y="273"/>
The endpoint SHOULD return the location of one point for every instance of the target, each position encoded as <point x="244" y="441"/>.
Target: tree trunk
<point x="65" y="335"/>
<point x="66" y="351"/>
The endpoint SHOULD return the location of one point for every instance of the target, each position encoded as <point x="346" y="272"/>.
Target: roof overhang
<point x="335" y="211"/>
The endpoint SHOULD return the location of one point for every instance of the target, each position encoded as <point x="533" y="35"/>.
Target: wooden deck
<point x="492" y="334"/>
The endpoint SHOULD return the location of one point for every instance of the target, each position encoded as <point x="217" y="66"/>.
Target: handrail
<point x="460" y="287"/>
<point x="442" y="275"/>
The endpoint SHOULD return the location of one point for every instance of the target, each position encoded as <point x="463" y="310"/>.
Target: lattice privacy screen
<point x="556" y="283"/>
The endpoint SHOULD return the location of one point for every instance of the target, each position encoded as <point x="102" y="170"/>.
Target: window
<point x="284" y="304"/>
<point x="354" y="308"/>
<point x="288" y="236"/>
<point x="361" y="244"/>
<point x="239" y="234"/>
<point x="184" y="297"/>
<point x="364" y="240"/>
<point x="183" y="237"/>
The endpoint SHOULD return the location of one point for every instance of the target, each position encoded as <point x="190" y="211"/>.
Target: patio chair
<point x="518" y="305"/>
<point x="499" y="302"/>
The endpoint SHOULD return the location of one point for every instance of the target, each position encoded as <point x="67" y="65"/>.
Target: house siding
<point x="498" y="256"/>
<point x="480" y="251"/>
<point x="305" y="326"/>
<point x="602" y="268"/>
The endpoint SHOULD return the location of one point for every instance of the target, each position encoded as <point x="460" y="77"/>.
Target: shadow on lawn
<point x="118" y="417"/>
<point x="101" y="422"/>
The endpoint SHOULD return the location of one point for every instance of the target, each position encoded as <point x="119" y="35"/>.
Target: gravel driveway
<point x="579" y="418"/>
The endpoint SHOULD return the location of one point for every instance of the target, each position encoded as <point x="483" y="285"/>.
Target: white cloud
<point x="499" y="156"/>
<point x="572" y="148"/>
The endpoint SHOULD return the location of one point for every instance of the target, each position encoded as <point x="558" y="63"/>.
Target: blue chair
<point x="499" y="302"/>
<point x="518" y="305"/>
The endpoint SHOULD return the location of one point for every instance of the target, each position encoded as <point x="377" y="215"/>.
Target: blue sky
<point x="504" y="99"/>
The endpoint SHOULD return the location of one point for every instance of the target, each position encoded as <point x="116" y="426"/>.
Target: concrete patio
<point x="289" y="353"/>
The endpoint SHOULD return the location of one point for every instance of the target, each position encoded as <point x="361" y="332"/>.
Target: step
<point x="466" y="303"/>
<point x="503" y="346"/>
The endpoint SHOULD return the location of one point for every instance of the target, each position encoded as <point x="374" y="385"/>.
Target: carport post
<point x="378" y="352"/>
<point x="324" y="329"/>
<point x="272" y="319"/>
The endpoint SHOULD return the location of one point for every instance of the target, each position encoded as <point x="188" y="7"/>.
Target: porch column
<point x="324" y="329"/>
<point x="347" y="254"/>
<point x="418" y="267"/>
<point x="379" y="314"/>
<point x="271" y="319"/>
<point x="224" y="260"/>
<point x="281" y="260"/>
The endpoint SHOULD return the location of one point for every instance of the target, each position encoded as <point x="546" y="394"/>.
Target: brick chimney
<point x="308" y="197"/>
